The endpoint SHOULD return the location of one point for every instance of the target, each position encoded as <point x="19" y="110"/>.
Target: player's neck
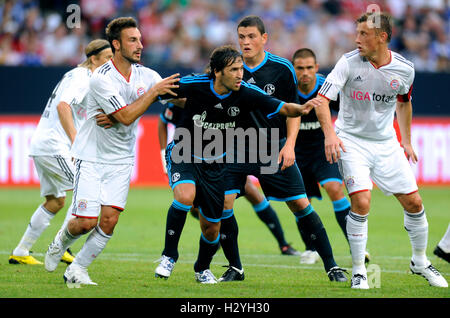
<point x="219" y="88"/>
<point x="381" y="57"/>
<point x="122" y="65"/>
<point x="305" y="89"/>
<point x="256" y="60"/>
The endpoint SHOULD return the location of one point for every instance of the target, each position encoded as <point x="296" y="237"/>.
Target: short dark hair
<point x="385" y="22"/>
<point x="252" y="20"/>
<point x="221" y="57"/>
<point x="115" y="27"/>
<point x="303" y="53"/>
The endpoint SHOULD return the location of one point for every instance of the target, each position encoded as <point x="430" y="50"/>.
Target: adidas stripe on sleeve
<point x="335" y="80"/>
<point x="105" y="95"/>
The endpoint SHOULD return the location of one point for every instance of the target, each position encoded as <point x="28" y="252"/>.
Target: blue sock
<point x="309" y="222"/>
<point x="229" y="240"/>
<point x="268" y="215"/>
<point x="176" y="218"/>
<point x="206" y="252"/>
<point x="341" y="209"/>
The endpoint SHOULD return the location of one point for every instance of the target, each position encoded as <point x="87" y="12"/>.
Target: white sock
<point x="444" y="244"/>
<point x="417" y="226"/>
<point x="66" y="238"/>
<point x="357" y="228"/>
<point x="94" y="245"/>
<point x="39" y="222"/>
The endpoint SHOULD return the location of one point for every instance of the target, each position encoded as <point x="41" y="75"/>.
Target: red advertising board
<point x="430" y="138"/>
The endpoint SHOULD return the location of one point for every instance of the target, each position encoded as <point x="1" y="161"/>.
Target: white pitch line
<point x="152" y="258"/>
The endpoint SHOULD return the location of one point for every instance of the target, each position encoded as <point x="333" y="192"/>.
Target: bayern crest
<point x="140" y="91"/>
<point x="394" y="84"/>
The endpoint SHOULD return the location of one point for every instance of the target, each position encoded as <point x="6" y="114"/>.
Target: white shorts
<point x="384" y="163"/>
<point x="98" y="184"/>
<point x="55" y="174"/>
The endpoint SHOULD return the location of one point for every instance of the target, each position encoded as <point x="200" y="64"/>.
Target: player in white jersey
<point x="123" y="90"/>
<point x="50" y="146"/>
<point x="374" y="83"/>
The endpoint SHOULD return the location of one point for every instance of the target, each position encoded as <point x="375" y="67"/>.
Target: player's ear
<point x="317" y="67"/>
<point x="264" y="36"/>
<point x="116" y="44"/>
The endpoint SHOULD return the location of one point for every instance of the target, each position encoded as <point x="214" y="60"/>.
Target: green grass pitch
<point x="126" y="267"/>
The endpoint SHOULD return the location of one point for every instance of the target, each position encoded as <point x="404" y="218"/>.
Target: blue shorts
<point x="209" y="181"/>
<point x="286" y="185"/>
<point x="316" y="170"/>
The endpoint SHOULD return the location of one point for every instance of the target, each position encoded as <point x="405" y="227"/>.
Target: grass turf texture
<point x="126" y="267"/>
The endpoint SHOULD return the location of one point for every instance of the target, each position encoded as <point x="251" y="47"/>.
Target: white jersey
<point x="50" y="138"/>
<point x="368" y="95"/>
<point x="110" y="91"/>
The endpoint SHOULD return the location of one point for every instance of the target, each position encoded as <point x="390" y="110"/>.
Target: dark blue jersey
<point x="276" y="76"/>
<point x="206" y="109"/>
<point x="311" y="133"/>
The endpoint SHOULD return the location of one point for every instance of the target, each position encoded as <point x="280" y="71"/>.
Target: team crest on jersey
<point x="82" y="205"/>
<point x="269" y="89"/>
<point x="395" y="84"/>
<point x="176" y="176"/>
<point x="350" y="181"/>
<point x="233" y="111"/>
<point x="140" y="91"/>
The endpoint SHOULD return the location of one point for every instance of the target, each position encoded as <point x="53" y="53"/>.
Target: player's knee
<point x="414" y="205"/>
<point x="298" y="205"/>
<point x="361" y="205"/>
<point x="53" y="204"/>
<point x="85" y="225"/>
<point x="210" y="230"/>
<point x="108" y="223"/>
<point x="185" y="196"/>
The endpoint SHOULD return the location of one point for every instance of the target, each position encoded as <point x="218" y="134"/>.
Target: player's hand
<point x="309" y="105"/>
<point x="287" y="155"/>
<point x="104" y="120"/>
<point x="410" y="153"/>
<point x="333" y="146"/>
<point x="166" y="85"/>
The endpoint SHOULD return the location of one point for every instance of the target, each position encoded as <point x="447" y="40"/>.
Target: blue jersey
<point x="206" y="109"/>
<point x="311" y="133"/>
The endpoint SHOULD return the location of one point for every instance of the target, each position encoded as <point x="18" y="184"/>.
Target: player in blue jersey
<point x="276" y="76"/>
<point x="310" y="149"/>
<point x="215" y="103"/>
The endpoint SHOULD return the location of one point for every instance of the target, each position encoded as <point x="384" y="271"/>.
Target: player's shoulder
<point x="283" y="63"/>
<point x="145" y="71"/>
<point x="401" y="61"/>
<point x="320" y="78"/>
<point x="245" y="86"/>
<point x="103" y="70"/>
<point x="195" y="79"/>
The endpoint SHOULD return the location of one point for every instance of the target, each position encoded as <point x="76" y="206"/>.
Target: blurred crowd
<point x="184" y="32"/>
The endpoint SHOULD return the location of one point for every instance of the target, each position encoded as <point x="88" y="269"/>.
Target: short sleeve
<point x="336" y="80"/>
<point x="406" y="89"/>
<point x="105" y="94"/>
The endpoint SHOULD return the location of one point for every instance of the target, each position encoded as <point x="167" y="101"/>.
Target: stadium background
<point x="37" y="48"/>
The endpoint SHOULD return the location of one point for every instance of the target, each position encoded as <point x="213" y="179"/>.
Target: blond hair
<point x="94" y="47"/>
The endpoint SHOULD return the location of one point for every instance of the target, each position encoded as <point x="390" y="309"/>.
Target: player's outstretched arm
<point x="127" y="115"/>
<point x="333" y="144"/>
<point x="404" y="118"/>
<point x="296" y="110"/>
